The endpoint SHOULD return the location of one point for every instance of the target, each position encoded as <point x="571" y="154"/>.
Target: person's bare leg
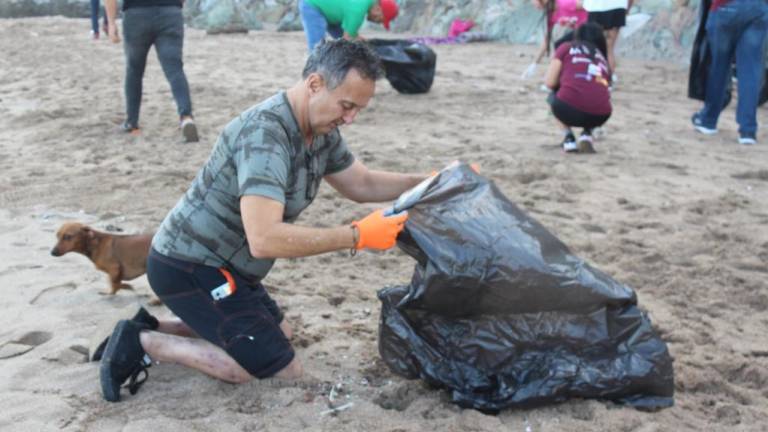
<point x="286" y="328"/>
<point x="204" y="356"/>
<point x="176" y="326"/>
<point x="611" y="36"/>
<point x="542" y="49"/>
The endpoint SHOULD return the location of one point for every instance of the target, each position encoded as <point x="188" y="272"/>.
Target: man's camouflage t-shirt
<point x="261" y="152"/>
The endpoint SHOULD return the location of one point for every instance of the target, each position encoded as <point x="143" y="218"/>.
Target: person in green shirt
<point x="342" y="18"/>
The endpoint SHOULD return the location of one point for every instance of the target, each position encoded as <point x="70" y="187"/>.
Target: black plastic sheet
<point x="409" y="66"/>
<point x="501" y="313"/>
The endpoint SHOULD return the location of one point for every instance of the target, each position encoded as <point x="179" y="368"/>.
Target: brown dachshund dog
<point x="122" y="257"/>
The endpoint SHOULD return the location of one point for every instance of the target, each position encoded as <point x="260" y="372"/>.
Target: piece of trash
<point x="529" y="71"/>
<point x="338" y="409"/>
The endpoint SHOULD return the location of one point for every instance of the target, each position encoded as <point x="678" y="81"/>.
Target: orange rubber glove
<point x="378" y="231"/>
<point x="475" y="167"/>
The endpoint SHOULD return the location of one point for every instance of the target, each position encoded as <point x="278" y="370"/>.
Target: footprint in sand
<point x="752" y="175"/>
<point x="18" y="268"/>
<point x="24" y="344"/>
<point x="54" y="291"/>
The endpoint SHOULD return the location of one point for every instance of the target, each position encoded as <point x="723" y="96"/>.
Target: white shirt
<point x="604" y="5"/>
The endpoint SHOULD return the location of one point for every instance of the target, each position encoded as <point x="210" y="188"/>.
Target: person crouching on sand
<point x="579" y="78"/>
<point x="221" y="239"/>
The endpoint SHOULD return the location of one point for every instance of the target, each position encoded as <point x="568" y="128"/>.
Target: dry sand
<point x="680" y="217"/>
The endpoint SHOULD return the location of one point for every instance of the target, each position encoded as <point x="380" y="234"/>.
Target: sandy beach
<point x="681" y="218"/>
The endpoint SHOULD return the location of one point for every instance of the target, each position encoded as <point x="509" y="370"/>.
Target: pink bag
<point x="459" y="26"/>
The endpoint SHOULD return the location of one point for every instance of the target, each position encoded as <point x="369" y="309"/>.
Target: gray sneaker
<point x="585" y="144"/>
<point x="189" y="130"/>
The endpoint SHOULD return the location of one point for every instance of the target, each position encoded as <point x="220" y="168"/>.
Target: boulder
<point x="31" y="8"/>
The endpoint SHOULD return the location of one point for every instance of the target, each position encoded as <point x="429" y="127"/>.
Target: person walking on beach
<point x="562" y="17"/>
<point x="579" y="77"/>
<point x="147" y="23"/>
<point x="95" y="9"/>
<point x="342" y="18"/>
<point x="735" y="29"/>
<point x="611" y="15"/>
<point x="221" y="239"/>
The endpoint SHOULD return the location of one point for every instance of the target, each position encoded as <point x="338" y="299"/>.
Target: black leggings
<point x="573" y="117"/>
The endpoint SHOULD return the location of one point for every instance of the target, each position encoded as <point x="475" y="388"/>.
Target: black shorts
<point x="614" y="18"/>
<point x="574" y="117"/>
<point x="246" y="324"/>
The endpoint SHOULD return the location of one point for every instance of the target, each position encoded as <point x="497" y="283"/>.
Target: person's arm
<point x="110" y="7"/>
<point x="269" y="237"/>
<point x="360" y="184"/>
<point x="354" y="15"/>
<point x="552" y="77"/>
<point x="352" y="38"/>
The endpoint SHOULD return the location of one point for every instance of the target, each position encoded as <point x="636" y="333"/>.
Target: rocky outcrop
<point x="212" y="15"/>
<point x="668" y="34"/>
<point x="30" y="8"/>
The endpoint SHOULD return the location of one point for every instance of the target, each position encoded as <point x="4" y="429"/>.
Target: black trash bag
<point x="503" y="315"/>
<point x="409" y="66"/>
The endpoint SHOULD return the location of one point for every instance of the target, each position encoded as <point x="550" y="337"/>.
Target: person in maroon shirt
<point x="579" y="78"/>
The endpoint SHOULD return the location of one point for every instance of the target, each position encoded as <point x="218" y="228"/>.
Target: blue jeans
<point x="315" y="25"/>
<point x="95" y="16"/>
<point x="163" y="27"/>
<point x="736" y="29"/>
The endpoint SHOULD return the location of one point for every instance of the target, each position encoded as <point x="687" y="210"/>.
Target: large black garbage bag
<point x="503" y="315"/>
<point x="409" y="66"/>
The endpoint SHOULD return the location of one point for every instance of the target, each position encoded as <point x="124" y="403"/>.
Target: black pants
<point x="573" y="117"/>
<point x="163" y="27"/>
<point x="246" y="324"/>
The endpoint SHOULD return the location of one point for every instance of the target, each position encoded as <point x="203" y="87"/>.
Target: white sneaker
<point x="569" y="145"/>
<point x="585" y="144"/>
<point x="747" y="140"/>
<point x="697" y="124"/>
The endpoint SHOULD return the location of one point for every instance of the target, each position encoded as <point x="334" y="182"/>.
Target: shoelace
<point x="134" y="383"/>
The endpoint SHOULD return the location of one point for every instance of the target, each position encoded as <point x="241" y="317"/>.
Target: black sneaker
<point x="124" y="360"/>
<point x="569" y="144"/>
<point x="141" y="317"/>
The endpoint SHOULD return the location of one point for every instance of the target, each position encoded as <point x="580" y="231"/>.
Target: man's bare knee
<point x="294" y="370"/>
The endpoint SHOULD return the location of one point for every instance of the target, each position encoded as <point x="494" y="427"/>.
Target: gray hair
<point x="333" y="60"/>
